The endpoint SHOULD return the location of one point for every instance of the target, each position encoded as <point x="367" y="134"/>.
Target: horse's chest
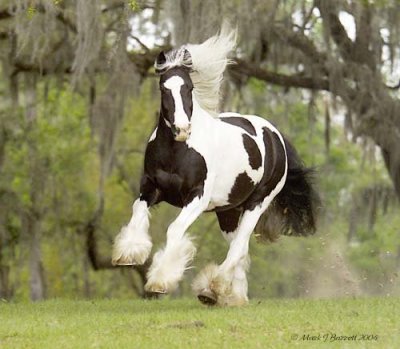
<point x="179" y="173"/>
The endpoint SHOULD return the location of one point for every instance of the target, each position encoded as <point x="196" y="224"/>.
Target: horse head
<point x="176" y="94"/>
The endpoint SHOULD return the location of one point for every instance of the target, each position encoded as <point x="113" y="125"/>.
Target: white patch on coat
<point x="153" y="135"/>
<point x="167" y="123"/>
<point x="174" y="84"/>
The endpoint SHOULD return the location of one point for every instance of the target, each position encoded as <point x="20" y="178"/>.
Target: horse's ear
<point x="187" y="60"/>
<point x="186" y="55"/>
<point x="161" y="59"/>
<point x="159" y="63"/>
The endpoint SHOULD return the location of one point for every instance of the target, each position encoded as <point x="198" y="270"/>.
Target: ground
<point x="169" y="323"/>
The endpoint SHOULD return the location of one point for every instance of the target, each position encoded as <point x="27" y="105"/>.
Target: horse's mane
<point x="207" y="62"/>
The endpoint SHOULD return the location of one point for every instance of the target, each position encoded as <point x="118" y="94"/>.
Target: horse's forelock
<point x="174" y="58"/>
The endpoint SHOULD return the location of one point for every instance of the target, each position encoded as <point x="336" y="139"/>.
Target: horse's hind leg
<point x="228" y="221"/>
<point x="227" y="282"/>
<point x="133" y="244"/>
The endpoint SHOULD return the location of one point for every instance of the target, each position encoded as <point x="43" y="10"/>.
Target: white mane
<point x="207" y="62"/>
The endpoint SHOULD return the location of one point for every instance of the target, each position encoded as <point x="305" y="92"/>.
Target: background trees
<point x="79" y="99"/>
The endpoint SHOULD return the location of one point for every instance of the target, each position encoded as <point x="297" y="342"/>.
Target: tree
<point x="83" y="43"/>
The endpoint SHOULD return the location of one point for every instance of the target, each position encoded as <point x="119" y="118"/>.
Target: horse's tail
<point x="293" y="211"/>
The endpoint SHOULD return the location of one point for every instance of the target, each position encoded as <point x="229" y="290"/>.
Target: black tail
<point x="293" y="211"/>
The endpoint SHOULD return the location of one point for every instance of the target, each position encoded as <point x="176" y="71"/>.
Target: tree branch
<point x="142" y="60"/>
<point x="336" y="29"/>
<point x="299" y="81"/>
<point x="6" y="13"/>
<point x="122" y="4"/>
<point x="22" y="67"/>
<point x="60" y="16"/>
<point x="298" y="40"/>
<point x="140" y="42"/>
<point x="363" y="52"/>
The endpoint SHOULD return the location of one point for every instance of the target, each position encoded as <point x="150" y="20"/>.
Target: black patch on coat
<point x="241" y="189"/>
<point x="172" y="169"/>
<point x="240" y="122"/>
<point x="229" y="220"/>
<point x="253" y="152"/>
<point x="149" y="192"/>
<point x="274" y="169"/>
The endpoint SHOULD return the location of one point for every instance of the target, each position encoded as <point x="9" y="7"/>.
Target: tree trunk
<point x="327" y="130"/>
<point x="391" y="156"/>
<point x="87" y="292"/>
<point x="33" y="212"/>
<point x="37" y="281"/>
<point x="353" y="221"/>
<point x="5" y="289"/>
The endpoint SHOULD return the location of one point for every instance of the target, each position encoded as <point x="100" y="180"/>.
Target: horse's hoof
<point x="207" y="297"/>
<point x="154" y="294"/>
<point x="123" y="264"/>
<point x="158" y="289"/>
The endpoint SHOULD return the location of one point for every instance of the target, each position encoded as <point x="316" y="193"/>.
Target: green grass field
<point x="187" y="324"/>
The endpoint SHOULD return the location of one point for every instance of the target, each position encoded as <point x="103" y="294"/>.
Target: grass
<point x="187" y="324"/>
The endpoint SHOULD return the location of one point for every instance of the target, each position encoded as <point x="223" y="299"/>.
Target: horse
<point x="200" y="160"/>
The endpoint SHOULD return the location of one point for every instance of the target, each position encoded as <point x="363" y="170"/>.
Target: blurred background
<point x="79" y="99"/>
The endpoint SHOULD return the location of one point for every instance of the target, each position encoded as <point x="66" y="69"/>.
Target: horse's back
<point x="251" y="157"/>
<point x="252" y="124"/>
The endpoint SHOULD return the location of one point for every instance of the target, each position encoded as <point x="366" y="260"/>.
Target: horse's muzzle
<point x="181" y="134"/>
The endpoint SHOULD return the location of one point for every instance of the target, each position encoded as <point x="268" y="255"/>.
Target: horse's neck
<point x="204" y="136"/>
<point x="201" y="118"/>
<point x="202" y="121"/>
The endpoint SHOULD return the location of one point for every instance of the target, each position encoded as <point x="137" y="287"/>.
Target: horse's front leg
<point x="170" y="263"/>
<point x="133" y="244"/>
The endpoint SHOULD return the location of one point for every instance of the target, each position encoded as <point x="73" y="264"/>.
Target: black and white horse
<point x="199" y="160"/>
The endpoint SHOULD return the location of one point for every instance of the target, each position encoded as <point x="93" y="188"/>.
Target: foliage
<point x="78" y="161"/>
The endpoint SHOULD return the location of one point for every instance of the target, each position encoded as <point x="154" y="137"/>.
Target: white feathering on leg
<point x="168" y="266"/>
<point x="132" y="245"/>
<point x="202" y="282"/>
<point x="239" y="282"/>
<point x="228" y="290"/>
